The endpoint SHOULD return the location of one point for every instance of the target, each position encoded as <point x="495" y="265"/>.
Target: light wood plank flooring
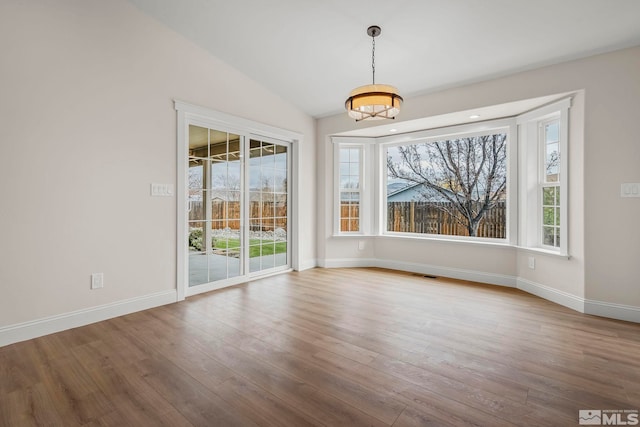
<point x="343" y="347"/>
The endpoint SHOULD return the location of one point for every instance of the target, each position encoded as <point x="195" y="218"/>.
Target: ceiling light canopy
<point x="374" y="101"/>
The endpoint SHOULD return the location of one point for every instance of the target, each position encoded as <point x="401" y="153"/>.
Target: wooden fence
<point x="432" y="218"/>
<point x="264" y="216"/>
<point x="350" y="217"/>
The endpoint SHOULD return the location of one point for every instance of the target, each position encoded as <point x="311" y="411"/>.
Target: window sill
<point x="448" y="239"/>
<point x="358" y="235"/>
<point x="544" y="252"/>
<point x="431" y="238"/>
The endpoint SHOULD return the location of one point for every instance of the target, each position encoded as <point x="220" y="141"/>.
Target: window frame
<point x="507" y="126"/>
<point x="532" y="143"/>
<point x="188" y="114"/>
<point x="365" y="214"/>
<point x="542" y="180"/>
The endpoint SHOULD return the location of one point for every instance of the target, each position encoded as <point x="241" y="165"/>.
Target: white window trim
<point x="530" y="231"/>
<point x="366" y="189"/>
<point x="466" y="130"/>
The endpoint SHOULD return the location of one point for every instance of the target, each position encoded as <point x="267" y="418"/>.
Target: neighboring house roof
<point x="400" y="192"/>
<point x="415" y="193"/>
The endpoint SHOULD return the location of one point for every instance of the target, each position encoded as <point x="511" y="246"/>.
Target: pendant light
<point x="374" y="101"/>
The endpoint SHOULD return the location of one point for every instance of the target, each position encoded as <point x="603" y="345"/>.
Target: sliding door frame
<point x="189" y="114"/>
<point x="288" y="145"/>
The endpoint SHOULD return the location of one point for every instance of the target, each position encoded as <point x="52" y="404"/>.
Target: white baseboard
<point x="307" y="264"/>
<point x="613" y="311"/>
<point x="49" y="325"/>
<point x="582" y="305"/>
<point x="348" y="262"/>
<point x="454" y="273"/>
<point x="554" y="295"/>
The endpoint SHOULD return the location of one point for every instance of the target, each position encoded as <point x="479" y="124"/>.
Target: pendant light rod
<point x="373" y="31"/>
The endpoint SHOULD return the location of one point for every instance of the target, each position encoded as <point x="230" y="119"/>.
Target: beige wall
<point x="87" y="123"/>
<point x="604" y="149"/>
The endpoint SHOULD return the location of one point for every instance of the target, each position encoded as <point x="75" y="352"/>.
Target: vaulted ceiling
<point x="313" y="52"/>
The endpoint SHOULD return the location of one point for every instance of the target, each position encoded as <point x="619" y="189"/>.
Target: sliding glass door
<point x="237" y="207"/>
<point x="215" y="179"/>
<point x="268" y="202"/>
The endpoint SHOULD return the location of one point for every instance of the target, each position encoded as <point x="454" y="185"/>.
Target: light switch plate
<point x="165" y="190"/>
<point x="630" y="189"/>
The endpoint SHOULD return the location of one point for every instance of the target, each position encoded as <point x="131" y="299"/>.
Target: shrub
<point x="195" y="239"/>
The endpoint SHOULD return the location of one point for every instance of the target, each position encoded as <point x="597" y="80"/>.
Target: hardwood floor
<point x="343" y="347"/>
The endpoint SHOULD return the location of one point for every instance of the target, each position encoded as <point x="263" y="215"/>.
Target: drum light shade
<point x="372" y="102"/>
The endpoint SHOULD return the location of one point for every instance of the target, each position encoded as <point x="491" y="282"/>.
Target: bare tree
<point x="470" y="173"/>
<point x="227" y="184"/>
<point x="552" y="164"/>
<point x="195" y="176"/>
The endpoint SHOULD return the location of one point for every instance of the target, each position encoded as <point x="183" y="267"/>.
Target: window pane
<point x="281" y="157"/>
<point x="268" y="155"/>
<point x="354" y="210"/>
<point x="548" y="236"/>
<point x="268" y="181"/>
<point x="281" y="253"/>
<point x="234" y="147"/>
<point x="354" y="182"/>
<point x="196" y="234"/>
<point x="196" y="205"/>
<point x="198" y="268"/>
<point x="281" y="205"/>
<point x="218" y="145"/>
<point x="551" y="216"/>
<point x="548" y="216"/>
<point x="195" y="174"/>
<point x="218" y="174"/>
<point x="280" y="181"/>
<point x="551" y="152"/>
<point x="198" y="141"/>
<point x="437" y="187"/>
<point x="344" y="181"/>
<point x="552" y="131"/>
<point x="344" y="155"/>
<point x="354" y="155"/>
<point x="352" y="196"/>
<point x="349" y="179"/>
<point x="548" y="196"/>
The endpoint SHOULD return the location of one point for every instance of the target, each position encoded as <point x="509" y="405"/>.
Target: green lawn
<point x="257" y="247"/>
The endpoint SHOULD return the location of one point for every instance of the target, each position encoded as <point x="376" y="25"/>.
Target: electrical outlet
<point x="361" y="245"/>
<point x="532" y="263"/>
<point x="97" y="280"/>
